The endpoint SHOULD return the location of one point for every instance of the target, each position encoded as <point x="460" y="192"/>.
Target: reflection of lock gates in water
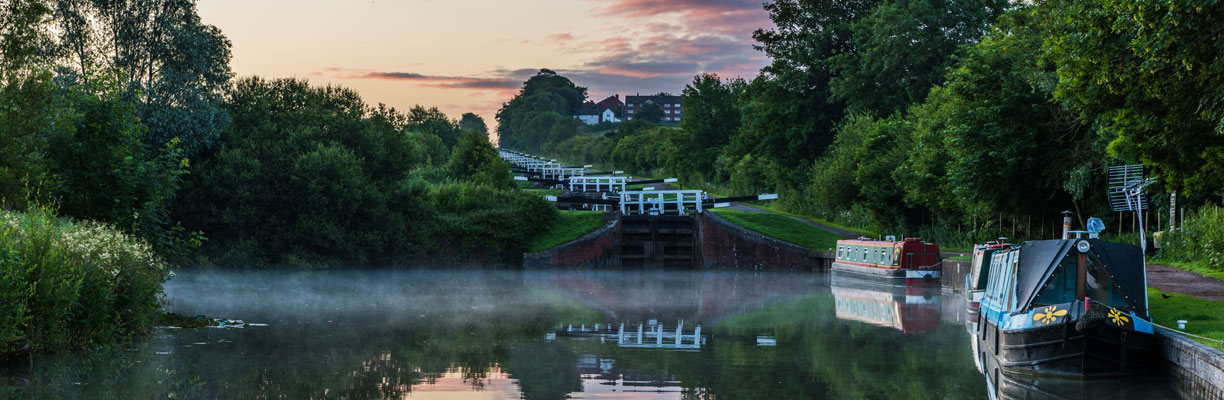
<point x="481" y="334"/>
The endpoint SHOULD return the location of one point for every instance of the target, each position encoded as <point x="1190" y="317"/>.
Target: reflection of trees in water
<point x="544" y="370"/>
<point x="443" y="325"/>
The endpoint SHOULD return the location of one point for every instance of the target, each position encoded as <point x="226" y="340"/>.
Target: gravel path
<point x="1174" y="280"/>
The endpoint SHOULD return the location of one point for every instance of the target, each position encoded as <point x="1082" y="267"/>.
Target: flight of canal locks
<point x="665" y="300"/>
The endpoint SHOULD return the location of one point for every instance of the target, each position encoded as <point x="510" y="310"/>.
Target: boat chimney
<point x="1067" y="224"/>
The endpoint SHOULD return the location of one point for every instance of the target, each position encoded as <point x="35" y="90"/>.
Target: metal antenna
<point x="1126" y="183"/>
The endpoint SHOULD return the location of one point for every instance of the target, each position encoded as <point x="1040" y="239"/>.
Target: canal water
<point x="547" y="335"/>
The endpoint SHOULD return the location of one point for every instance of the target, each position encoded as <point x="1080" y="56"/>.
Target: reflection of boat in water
<point x="909" y="262"/>
<point x="979" y="270"/>
<point x="1004" y="386"/>
<point x="1070" y="307"/>
<point x="908" y="309"/>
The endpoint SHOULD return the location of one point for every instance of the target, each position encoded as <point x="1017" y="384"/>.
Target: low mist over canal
<point x="505" y="335"/>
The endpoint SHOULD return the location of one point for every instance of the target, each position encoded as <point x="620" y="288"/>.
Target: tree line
<point x="959" y="121"/>
<point x="127" y="113"/>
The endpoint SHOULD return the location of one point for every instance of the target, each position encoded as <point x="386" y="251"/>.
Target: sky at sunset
<point x="472" y="55"/>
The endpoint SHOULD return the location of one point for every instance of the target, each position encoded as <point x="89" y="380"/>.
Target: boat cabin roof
<point x="1039" y="260"/>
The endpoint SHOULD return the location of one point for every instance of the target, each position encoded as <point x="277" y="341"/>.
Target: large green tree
<point x="475" y="159"/>
<point x="540" y="113"/>
<point x="306" y="181"/>
<point x="175" y="67"/>
<point x="711" y="117"/>
<point x="902" y="48"/>
<point x="789" y="114"/>
<point x="1149" y="78"/>
<point x="1005" y="147"/>
<point x="473" y="122"/>
<point x="433" y="122"/>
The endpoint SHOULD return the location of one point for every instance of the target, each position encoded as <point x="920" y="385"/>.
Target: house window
<point x="630" y="111"/>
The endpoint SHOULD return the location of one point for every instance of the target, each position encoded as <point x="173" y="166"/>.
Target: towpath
<point x="1176" y="280"/>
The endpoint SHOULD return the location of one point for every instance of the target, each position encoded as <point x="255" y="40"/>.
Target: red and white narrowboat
<point x="911" y="261"/>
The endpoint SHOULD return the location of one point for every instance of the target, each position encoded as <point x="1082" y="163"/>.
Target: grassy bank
<point x="1204" y="317"/>
<point x="569" y="226"/>
<point x="782" y="227"/>
<point x="73" y="285"/>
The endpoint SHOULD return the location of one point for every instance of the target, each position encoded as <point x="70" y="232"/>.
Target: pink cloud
<point x="734" y="17"/>
<point x="560" y="37"/>
<point x="436" y="81"/>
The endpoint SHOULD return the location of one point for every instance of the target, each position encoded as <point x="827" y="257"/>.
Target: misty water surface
<point x="494" y="335"/>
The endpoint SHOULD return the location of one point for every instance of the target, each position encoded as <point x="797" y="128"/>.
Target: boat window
<point x="1101" y="287"/>
<point x="839" y="252"/>
<point x="999" y="270"/>
<point x="864" y="254"/>
<point x="1061" y="286"/>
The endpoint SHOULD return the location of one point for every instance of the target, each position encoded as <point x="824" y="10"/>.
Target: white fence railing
<point x="657" y="202"/>
<point x="614" y="184"/>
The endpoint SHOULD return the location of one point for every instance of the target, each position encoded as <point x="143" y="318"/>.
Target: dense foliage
<point x="540" y="113"/>
<point x="1199" y="241"/>
<point x="84" y="139"/>
<point x="312" y="176"/>
<point x="73" y="285"/>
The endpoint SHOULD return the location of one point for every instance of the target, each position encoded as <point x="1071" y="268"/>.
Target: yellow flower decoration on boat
<point x="1049" y="315"/>
<point x="1117" y="317"/>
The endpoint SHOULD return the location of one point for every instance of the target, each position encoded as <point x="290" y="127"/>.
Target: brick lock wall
<point x="725" y="245"/>
<point x="596" y="249"/>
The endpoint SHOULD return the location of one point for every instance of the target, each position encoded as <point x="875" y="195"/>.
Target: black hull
<point x="1002" y="386"/>
<point x="1101" y="351"/>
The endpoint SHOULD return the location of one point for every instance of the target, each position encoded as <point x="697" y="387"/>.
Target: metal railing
<point x="559" y="172"/>
<point x="614" y="184"/>
<point x="658" y="202"/>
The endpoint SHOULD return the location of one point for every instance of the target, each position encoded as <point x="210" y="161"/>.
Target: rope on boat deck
<point x="1219" y="344"/>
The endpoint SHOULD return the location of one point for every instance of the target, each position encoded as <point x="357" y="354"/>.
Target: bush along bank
<point x="1199" y="242"/>
<point x="67" y="285"/>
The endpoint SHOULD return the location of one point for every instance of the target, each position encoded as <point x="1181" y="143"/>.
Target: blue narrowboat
<point x="1067" y="307"/>
<point x="979" y="270"/>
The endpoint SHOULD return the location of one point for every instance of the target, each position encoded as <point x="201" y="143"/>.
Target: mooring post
<point x="659" y="335"/>
<point x="639" y="336"/>
<point x="620" y="334"/>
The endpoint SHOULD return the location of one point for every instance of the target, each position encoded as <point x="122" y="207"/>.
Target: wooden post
<point x="1173" y="210"/>
<point x="679" y="331"/>
<point x="1081" y="275"/>
<point x="697" y="336"/>
<point x="639" y="336"/>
